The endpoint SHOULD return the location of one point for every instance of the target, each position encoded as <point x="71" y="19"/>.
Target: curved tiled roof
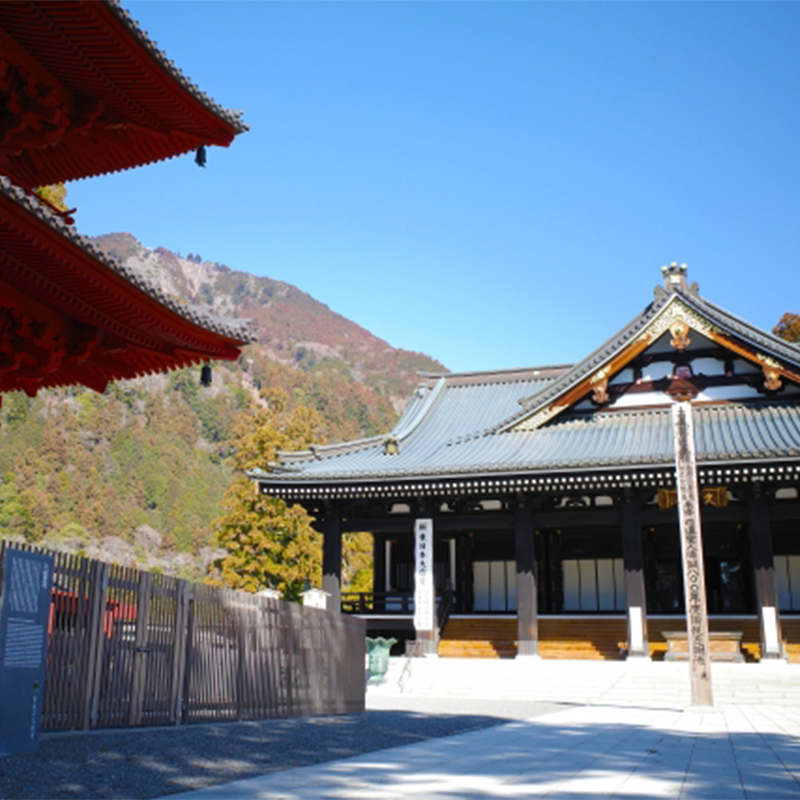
<point x="467" y="424"/>
<point x="449" y="406"/>
<point x="732" y="432"/>
<point x="93" y="94"/>
<point x="236" y="329"/>
<point x="590" y="364"/>
<point x="234" y="117"/>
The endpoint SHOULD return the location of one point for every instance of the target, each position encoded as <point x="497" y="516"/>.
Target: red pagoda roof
<point x="86" y="92"/>
<point x="72" y="314"/>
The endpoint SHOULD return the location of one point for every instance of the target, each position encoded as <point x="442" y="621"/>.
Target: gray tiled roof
<point x="445" y="409"/>
<point x="463" y="424"/>
<point x="620" y="439"/>
<point x="237" y="329"/>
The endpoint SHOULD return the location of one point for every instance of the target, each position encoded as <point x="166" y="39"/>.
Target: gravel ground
<point x="151" y="762"/>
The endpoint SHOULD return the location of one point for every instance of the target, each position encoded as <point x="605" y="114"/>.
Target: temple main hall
<point x="550" y="494"/>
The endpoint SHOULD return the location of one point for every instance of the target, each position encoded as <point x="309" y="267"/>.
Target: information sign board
<point x="24" y="613"/>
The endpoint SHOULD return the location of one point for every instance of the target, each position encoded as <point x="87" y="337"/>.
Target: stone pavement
<point x="615" y="740"/>
<point x="586" y="751"/>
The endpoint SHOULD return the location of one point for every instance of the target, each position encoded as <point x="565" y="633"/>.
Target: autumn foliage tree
<point x="268" y="543"/>
<point x="56" y="195"/>
<point x="788" y="328"/>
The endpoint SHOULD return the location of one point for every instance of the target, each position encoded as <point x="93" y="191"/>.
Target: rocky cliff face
<point x="294" y="328"/>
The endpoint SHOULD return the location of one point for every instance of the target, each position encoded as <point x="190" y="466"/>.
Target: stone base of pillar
<point x="772" y="657"/>
<point x="640" y="656"/>
<point x="528" y="649"/>
<point x="428" y="644"/>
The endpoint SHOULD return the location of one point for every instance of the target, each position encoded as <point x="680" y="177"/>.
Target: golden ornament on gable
<point x="680" y="335"/>
<point x="600" y="391"/>
<point x="772" y="378"/>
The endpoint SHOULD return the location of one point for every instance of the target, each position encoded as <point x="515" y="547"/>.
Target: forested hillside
<point x="137" y="475"/>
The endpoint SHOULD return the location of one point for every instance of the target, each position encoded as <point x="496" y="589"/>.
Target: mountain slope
<point x="294" y="328"/>
<point x="137" y="475"/>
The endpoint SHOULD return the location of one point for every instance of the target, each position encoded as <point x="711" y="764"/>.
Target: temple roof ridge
<point x="768" y="340"/>
<point x="592" y="362"/>
<point x="497" y="375"/>
<point x="421" y="401"/>
<point x="677" y="292"/>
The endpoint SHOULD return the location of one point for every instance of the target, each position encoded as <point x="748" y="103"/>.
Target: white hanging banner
<point x="424" y="590"/>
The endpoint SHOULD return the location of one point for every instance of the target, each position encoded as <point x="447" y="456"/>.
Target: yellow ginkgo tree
<point x="268" y="543"/>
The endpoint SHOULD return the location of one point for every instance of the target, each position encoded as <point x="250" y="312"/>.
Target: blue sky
<point x="495" y="184"/>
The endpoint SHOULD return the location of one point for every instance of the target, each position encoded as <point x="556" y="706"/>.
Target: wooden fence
<point x="127" y="647"/>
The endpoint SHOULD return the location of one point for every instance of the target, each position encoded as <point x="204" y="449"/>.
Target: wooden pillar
<point x="556" y="570"/>
<point x="464" y="594"/>
<point x="764" y="573"/>
<point x="527" y="617"/>
<point x="332" y="554"/>
<point x="378" y="570"/>
<point x="388" y="555"/>
<point x="694" y="584"/>
<point x="179" y="650"/>
<point x="635" y="593"/>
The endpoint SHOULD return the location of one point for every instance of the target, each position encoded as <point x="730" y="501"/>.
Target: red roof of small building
<point x="87" y="92"/>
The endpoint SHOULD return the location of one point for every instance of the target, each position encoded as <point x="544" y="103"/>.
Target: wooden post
<point x="141" y="649"/>
<point x="464" y="586"/>
<point x="764" y="573"/>
<point x="694" y="584"/>
<point x="179" y="650"/>
<point x="189" y="656"/>
<point x="378" y="570"/>
<point x="240" y="615"/>
<point x="635" y="594"/>
<point x="527" y="617"/>
<point x="96" y="602"/>
<point x="332" y="555"/>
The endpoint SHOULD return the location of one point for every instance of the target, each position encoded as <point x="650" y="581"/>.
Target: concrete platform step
<point x="641" y="683"/>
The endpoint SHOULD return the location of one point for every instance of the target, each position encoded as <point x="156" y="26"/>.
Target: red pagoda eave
<point x="69" y="314"/>
<point x="86" y="93"/>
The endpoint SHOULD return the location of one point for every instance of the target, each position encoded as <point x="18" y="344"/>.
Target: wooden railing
<point x="377" y="602"/>
<point x="402" y="603"/>
<point x="127" y="647"/>
<point x="444" y="608"/>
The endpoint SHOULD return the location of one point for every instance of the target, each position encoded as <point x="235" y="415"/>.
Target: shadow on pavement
<point x="150" y="762"/>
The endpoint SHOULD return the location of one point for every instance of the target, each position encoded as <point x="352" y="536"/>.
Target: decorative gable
<point x="680" y="348"/>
